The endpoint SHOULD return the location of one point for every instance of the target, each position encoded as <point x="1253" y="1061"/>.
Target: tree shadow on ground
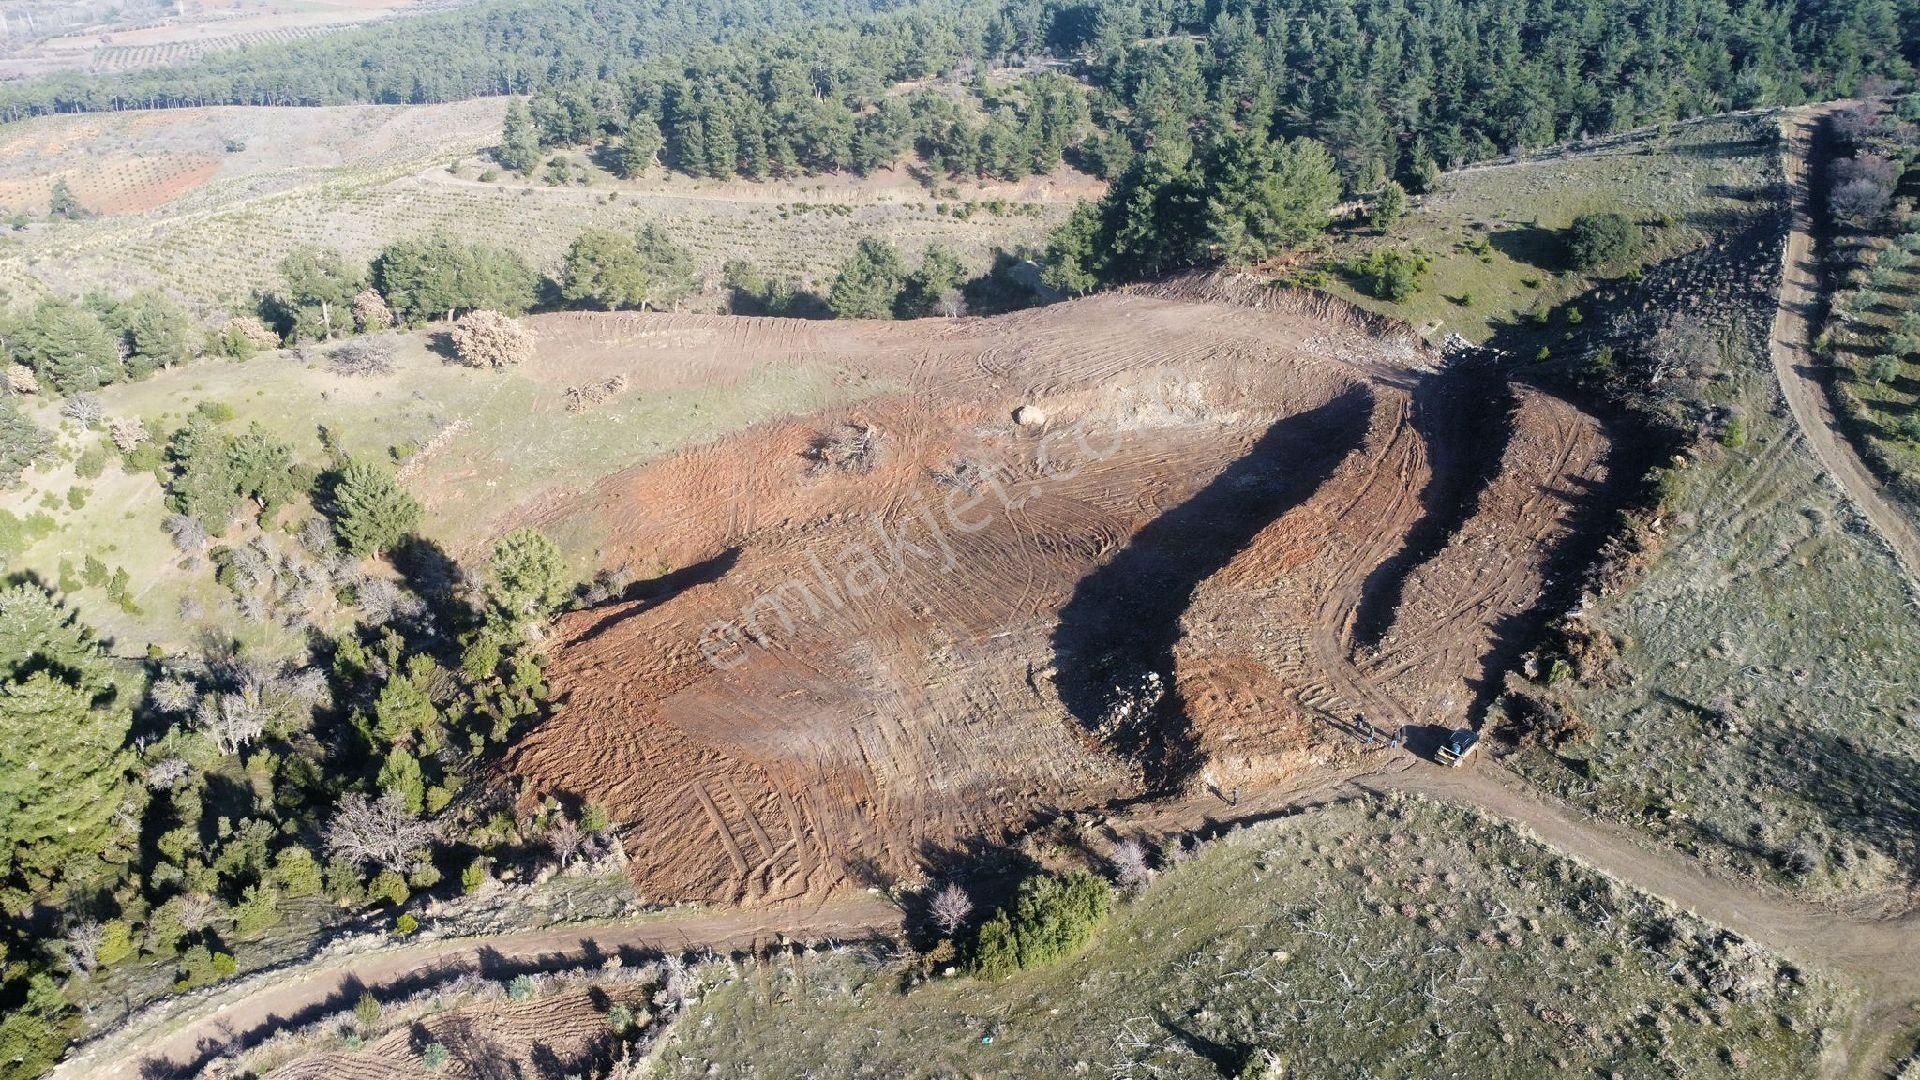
<point x="1123" y="619"/>
<point x="1533" y="246"/>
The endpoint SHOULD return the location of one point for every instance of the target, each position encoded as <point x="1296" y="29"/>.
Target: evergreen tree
<point x="934" y="289"/>
<point x="317" y="300"/>
<point x="638" y="148"/>
<point x="23" y="443"/>
<point x="1263" y="198"/>
<point x="159" y="333"/>
<point x="528" y="575"/>
<point x="1389" y="206"/>
<point x="671" y="272"/>
<point x="868" y="282"/>
<point x="438" y="276"/>
<point x="371" y="513"/>
<point x="63" y="764"/>
<point x="68" y="347"/>
<point x="603" y="269"/>
<point x="519" y="148"/>
<point x="1074" y="262"/>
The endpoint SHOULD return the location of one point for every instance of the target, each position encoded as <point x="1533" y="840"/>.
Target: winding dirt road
<point x="1803" y="379"/>
<point x="255" y="1008"/>
<point x="1881" y="957"/>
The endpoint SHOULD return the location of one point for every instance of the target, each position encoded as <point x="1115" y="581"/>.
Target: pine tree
<point x="1074" y="260"/>
<point x="934" y="289"/>
<point x="603" y="270"/>
<point x="671" y="272"/>
<point x="868" y="282"/>
<point x="528" y="575"/>
<point x="68" y="347"/>
<point x="63" y="763"/>
<point x="519" y="147"/>
<point x="371" y="513"/>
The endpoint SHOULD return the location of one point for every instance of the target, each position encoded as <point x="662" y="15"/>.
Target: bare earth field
<point x="1233" y="538"/>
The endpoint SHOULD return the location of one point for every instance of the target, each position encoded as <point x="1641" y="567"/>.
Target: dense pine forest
<point x="755" y="87"/>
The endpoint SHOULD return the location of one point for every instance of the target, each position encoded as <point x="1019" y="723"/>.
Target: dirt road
<point x="1881" y="956"/>
<point x="249" y="1010"/>
<point x="1803" y="379"/>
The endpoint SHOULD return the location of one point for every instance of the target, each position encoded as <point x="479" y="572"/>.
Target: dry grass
<point x="1397" y="938"/>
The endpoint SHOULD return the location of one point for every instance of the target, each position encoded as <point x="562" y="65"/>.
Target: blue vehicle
<point x="1458" y="745"/>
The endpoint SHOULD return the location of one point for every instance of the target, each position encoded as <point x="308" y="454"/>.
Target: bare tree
<point x="83" y="945"/>
<point x="950" y="908"/>
<point x="171" y="694"/>
<point x="127" y="432"/>
<point x="21" y="380"/>
<point x="1130" y="867"/>
<point x="234" y="720"/>
<point x="566" y="838"/>
<point x="167" y="772"/>
<point x="83" y="409"/>
<point x="188" y="534"/>
<point x="377" y="832"/>
<point x="196" y="912"/>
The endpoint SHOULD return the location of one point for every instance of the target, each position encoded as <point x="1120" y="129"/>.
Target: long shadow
<point x="1467" y="422"/>
<point x="1121" y="624"/>
<point x="657" y="591"/>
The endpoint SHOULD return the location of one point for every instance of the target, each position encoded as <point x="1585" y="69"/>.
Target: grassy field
<point x="1760" y="712"/>
<point x="1495" y="232"/>
<point x="473" y="445"/>
<point x="1368" y="939"/>
<point x="363" y="177"/>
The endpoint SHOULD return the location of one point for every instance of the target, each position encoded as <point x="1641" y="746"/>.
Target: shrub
<point x="435" y="1056"/>
<point x="474" y="876"/>
<point x="1391" y="273"/>
<point x="390" y="887"/>
<point x="1597" y="240"/>
<point x="242" y="337"/>
<point x="491" y="340"/>
<point x="406" y="925"/>
<point x="521" y="988"/>
<point x="1051" y="917"/>
<point x="367" y="1010"/>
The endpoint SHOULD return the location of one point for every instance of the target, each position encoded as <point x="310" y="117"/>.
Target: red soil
<point x="1253" y="498"/>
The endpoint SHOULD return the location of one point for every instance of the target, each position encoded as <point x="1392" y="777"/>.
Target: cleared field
<point x="243" y="186"/>
<point x="1494" y="231"/>
<point x="1230" y="547"/>
<point x="477" y="445"/>
<point x="1366" y="939"/>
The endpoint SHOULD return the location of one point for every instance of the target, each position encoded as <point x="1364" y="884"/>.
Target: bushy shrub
<point x="1051" y="917"/>
<point x="489" y="339"/>
<point x="1598" y="240"/>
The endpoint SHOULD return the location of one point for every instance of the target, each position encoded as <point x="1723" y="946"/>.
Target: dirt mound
<point x="962" y="622"/>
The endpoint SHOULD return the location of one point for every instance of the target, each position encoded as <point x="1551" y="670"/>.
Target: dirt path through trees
<point x="1803" y="378"/>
